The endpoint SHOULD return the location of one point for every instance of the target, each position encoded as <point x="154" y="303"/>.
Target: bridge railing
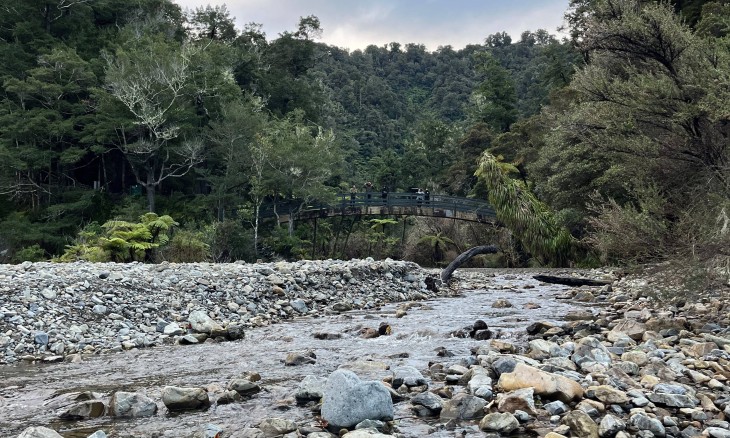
<point x="417" y="200"/>
<point x="392" y="203"/>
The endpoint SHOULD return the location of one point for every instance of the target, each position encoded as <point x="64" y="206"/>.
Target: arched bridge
<point x="398" y="204"/>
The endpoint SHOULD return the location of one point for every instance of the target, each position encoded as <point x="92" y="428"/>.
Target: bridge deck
<point x="400" y="204"/>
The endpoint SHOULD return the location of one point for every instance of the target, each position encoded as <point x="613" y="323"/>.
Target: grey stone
<point x="83" y="410"/>
<point x="272" y="427"/>
<point x="463" y="407"/>
<point x="244" y="386"/>
<point x="299" y="305"/>
<point x="131" y="404"/>
<point x="202" y="323"/>
<point x="428" y="400"/>
<point x="610" y="426"/>
<point x="644" y="422"/>
<point x="97" y="434"/>
<point x="673" y="400"/>
<point x="99" y="309"/>
<point x="499" y="422"/>
<point x="173" y="329"/>
<point x="212" y="431"/>
<point x="717" y="432"/>
<point x="556" y="407"/>
<point x="409" y="376"/>
<point x="177" y="398"/>
<point x="311" y="388"/>
<point x="41" y="338"/>
<point x="349" y="400"/>
<point x="39" y="432"/>
<point x="590" y="349"/>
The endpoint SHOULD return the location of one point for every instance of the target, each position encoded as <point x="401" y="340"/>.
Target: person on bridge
<point x="427" y="196"/>
<point x="368" y="188"/>
<point x="353" y="192"/>
<point x="384" y="195"/>
<point x="419" y="195"/>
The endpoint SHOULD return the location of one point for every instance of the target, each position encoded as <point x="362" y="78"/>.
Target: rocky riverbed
<point x="494" y="354"/>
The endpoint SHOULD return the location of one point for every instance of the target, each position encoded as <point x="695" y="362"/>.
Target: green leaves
<point x="531" y="221"/>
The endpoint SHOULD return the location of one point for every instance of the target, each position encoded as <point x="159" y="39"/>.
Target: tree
<point x="495" y="98"/>
<point x="160" y="82"/>
<point x="648" y="117"/>
<point x="529" y="219"/>
<point x="306" y="159"/>
<point x="213" y="23"/>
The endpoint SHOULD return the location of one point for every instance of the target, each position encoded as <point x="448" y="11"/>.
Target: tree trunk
<point x="150" y="187"/>
<point x="464" y="257"/>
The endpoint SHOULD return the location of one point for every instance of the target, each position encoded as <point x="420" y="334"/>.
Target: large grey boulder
<point x="349" y="400"/>
<point x="176" y="398"/>
<point x="131" y="404"/>
<point x="39" y="432"/>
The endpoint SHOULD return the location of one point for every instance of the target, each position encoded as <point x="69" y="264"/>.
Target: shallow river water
<point x="427" y="326"/>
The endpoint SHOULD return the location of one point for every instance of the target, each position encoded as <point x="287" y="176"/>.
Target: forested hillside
<point x="110" y="109"/>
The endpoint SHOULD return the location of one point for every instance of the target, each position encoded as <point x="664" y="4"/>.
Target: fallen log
<point x="570" y="281"/>
<point x="464" y="257"/>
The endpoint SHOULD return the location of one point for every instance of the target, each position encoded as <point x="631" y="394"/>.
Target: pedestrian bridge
<point x="398" y="204"/>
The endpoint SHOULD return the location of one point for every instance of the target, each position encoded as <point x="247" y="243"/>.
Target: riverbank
<point x="51" y="310"/>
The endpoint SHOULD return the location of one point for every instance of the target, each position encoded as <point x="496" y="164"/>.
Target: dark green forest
<point x="135" y="130"/>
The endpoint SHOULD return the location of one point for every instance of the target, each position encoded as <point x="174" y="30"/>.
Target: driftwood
<point x="570" y="281"/>
<point x="464" y="257"/>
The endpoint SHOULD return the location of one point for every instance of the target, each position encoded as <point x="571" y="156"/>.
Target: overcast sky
<point x="355" y="24"/>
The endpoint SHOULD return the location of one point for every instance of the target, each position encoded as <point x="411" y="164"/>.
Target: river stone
<point x="41" y="338"/>
<point x="499" y="422"/>
<point x="131" y="404"/>
<point x="590" y="349"/>
<point x="177" y="398"/>
<point x="364" y="433"/>
<point x="673" y="400"/>
<point x="272" y="427"/>
<point x="608" y="395"/>
<point x="39" y="432"/>
<point x="544" y="383"/>
<point x="98" y="434"/>
<point x="311" y="388"/>
<point x="629" y="327"/>
<point x="556" y="407"/>
<point x="349" y="400"/>
<point x="295" y="359"/>
<point x="299" y="305"/>
<point x="173" y="329"/>
<point x="636" y="356"/>
<point x="202" y="323"/>
<point x="429" y="400"/>
<point x="463" y="407"/>
<point x="644" y="422"/>
<point x="407" y="375"/>
<point x="83" y="410"/>
<point x="519" y="399"/>
<point x="244" y="386"/>
<point x="718" y="432"/>
<point x="581" y="424"/>
<point x="610" y="426"/>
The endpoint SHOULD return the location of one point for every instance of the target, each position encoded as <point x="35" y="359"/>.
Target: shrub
<point x="186" y="247"/>
<point x="629" y="233"/>
<point x="33" y="253"/>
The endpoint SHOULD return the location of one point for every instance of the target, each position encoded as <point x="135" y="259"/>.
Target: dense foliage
<point x="609" y="146"/>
